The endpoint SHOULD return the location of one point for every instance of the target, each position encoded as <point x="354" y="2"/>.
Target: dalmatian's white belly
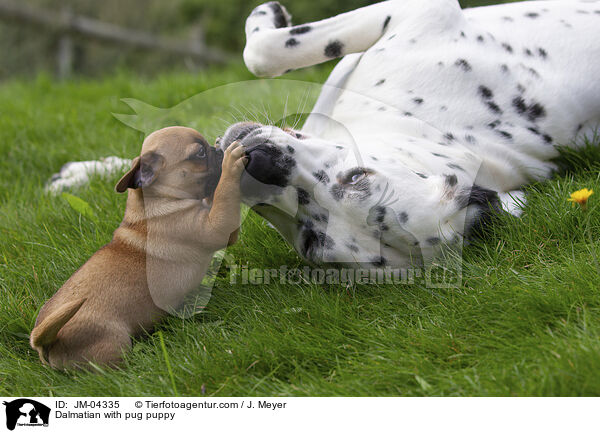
<point x="507" y="86"/>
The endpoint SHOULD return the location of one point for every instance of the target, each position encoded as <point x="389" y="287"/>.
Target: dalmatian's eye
<point x="355" y="176"/>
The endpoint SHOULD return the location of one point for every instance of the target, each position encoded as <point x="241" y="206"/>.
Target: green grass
<point x="525" y="321"/>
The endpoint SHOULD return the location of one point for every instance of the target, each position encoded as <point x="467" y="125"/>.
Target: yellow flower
<point x="581" y="197"/>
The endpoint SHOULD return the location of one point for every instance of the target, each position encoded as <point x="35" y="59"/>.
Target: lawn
<point x="525" y="320"/>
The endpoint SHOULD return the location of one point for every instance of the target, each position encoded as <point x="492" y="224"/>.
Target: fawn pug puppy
<point x="158" y="254"/>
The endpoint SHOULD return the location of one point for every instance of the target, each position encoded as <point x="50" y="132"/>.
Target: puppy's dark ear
<point x="127" y="180"/>
<point x="143" y="172"/>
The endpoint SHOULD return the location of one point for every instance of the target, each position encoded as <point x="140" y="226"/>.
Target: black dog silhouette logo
<point x="26" y="412"/>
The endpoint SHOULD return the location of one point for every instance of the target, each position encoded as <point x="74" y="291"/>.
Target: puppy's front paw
<point x="234" y="161"/>
<point x="268" y="15"/>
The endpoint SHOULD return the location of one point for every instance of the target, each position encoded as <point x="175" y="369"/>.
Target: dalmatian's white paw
<point x="513" y="202"/>
<point x="76" y="174"/>
<point x="271" y="15"/>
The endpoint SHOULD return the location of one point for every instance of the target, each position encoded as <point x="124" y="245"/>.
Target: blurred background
<point x="70" y="38"/>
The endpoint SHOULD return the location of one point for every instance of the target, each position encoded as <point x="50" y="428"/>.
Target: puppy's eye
<point x="200" y="154"/>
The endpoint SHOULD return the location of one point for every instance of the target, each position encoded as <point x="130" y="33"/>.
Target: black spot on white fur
<point x="485" y="203"/>
<point x="380" y="212"/>
<point x="507" y="47"/>
<point x="352" y="248"/>
<point x="300" y="30"/>
<point x="322" y="218"/>
<point x="505" y="134"/>
<point x="334" y="49"/>
<point x="386" y="22"/>
<point x="291" y="42"/>
<point x="533" y="72"/>
<point x="451" y="180"/>
<point x="313" y="242"/>
<point x="279" y="19"/>
<point x="455" y="166"/>
<point x="485" y="92"/>
<point x="493" y="107"/>
<point x="337" y="191"/>
<point x="494" y="124"/>
<point x="463" y="64"/>
<point x="303" y="197"/>
<point x="533" y="111"/>
<point x="321" y="176"/>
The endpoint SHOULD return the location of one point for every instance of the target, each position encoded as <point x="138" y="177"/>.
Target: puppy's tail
<point x="44" y="334"/>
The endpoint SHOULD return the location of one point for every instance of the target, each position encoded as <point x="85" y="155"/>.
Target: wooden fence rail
<point x="67" y="24"/>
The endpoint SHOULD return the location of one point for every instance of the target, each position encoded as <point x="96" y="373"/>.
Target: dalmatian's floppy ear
<point x="144" y="171"/>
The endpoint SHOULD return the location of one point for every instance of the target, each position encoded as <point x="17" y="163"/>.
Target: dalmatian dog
<point x="427" y="127"/>
<point x="431" y="122"/>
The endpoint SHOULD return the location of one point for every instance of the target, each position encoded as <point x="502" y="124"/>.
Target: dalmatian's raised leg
<point x="273" y="47"/>
<point x="319" y="118"/>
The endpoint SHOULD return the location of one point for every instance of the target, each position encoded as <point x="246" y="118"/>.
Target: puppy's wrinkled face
<point x="175" y="162"/>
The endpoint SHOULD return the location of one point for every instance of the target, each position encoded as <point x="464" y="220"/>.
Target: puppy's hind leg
<point x="272" y="47"/>
<point x="101" y="344"/>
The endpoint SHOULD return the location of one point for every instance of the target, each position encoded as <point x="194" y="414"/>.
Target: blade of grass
<point x="169" y="369"/>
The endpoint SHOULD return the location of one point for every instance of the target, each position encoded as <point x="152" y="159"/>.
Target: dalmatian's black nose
<point x="268" y="164"/>
<point x="269" y="167"/>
